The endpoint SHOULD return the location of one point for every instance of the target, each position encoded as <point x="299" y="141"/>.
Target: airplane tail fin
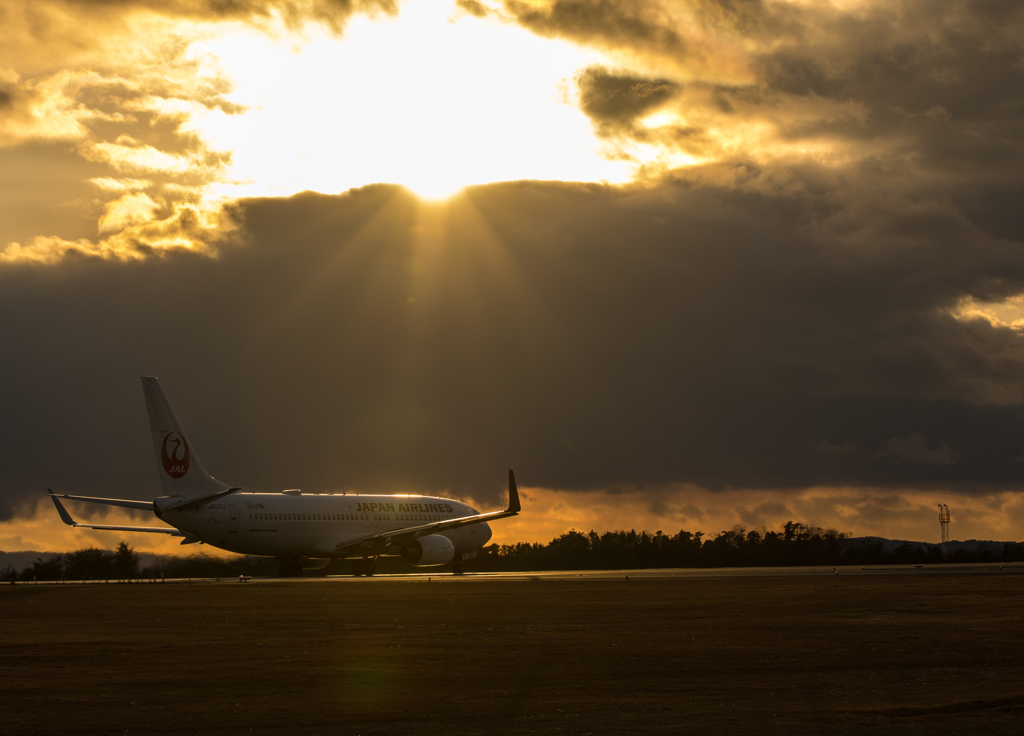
<point x="181" y="473"/>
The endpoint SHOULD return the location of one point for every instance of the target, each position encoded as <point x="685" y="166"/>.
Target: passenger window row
<point x="305" y="517"/>
<point x="347" y="517"/>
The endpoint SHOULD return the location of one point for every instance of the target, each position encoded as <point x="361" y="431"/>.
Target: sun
<point x="433" y="99"/>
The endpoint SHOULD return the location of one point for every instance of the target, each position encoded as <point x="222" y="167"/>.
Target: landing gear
<point x="457" y="568"/>
<point x="289" y="567"/>
<point x="365" y="566"/>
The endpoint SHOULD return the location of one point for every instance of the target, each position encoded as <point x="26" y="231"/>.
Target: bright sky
<point x="432" y="99"/>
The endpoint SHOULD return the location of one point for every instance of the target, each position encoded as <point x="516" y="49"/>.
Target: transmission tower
<point x="944" y="521"/>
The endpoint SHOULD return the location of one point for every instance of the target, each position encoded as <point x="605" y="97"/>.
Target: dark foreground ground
<point x="915" y="654"/>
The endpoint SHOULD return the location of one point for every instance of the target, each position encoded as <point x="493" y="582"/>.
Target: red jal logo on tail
<point x="174" y="455"/>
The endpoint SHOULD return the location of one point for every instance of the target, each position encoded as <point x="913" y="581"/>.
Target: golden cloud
<point x="45" y="108"/>
<point x="134" y="230"/>
<point x="121" y="86"/>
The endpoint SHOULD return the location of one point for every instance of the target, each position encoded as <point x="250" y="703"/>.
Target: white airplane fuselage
<point x="293" y="524"/>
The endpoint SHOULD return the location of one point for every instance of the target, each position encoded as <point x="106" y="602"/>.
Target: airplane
<point x="303" y="530"/>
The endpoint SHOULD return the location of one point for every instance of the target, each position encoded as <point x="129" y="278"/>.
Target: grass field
<point x="913" y="654"/>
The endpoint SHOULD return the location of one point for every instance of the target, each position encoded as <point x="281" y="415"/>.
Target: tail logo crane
<point x="175" y="455"/>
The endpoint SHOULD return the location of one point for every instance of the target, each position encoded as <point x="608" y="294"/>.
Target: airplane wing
<point x="141" y="505"/>
<point x="400" y="537"/>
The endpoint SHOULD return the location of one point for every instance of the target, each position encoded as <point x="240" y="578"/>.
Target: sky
<point x="681" y="264"/>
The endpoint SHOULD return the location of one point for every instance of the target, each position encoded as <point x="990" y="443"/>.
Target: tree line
<point x="85" y="564"/>
<point x="793" y="544"/>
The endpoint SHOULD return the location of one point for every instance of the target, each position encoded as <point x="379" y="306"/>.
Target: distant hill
<point x="20" y="560"/>
<point x="888" y="545"/>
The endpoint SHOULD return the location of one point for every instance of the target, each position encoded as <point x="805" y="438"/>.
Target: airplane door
<point x="233" y="525"/>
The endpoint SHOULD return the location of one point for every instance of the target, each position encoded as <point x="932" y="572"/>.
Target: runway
<point x="1016" y="568"/>
<point x="820" y="571"/>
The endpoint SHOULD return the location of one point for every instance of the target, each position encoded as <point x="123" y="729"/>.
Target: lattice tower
<point x="944" y="521"/>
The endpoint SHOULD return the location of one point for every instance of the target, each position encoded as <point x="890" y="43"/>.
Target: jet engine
<point x="432" y="549"/>
<point x="315" y="563"/>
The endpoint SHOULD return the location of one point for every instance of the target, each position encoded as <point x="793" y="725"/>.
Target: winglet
<point x="513" y="494"/>
<point x="64" y="515"/>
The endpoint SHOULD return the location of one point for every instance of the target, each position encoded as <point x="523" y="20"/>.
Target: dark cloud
<point x="725" y="336"/>
<point x="914" y="449"/>
<point x="615" y="101"/>
<point x="611" y="23"/>
<point x="938" y="76"/>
